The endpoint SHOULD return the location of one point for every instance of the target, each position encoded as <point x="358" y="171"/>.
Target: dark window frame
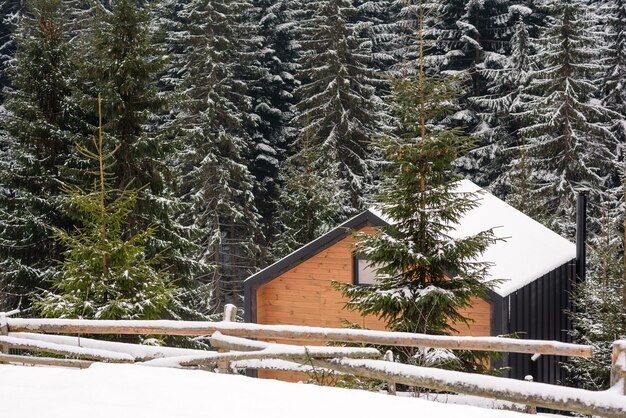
<point x="355" y="271"/>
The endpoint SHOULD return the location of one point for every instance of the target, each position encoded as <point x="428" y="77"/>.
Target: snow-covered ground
<point x="118" y="391"/>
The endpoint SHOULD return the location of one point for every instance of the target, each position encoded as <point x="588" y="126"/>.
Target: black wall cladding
<point x="537" y="311"/>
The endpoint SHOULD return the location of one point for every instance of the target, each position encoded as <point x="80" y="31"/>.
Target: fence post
<point x="618" y="365"/>
<point x="4" y="330"/>
<point x="391" y="386"/>
<point x="530" y="409"/>
<point x="230" y="315"/>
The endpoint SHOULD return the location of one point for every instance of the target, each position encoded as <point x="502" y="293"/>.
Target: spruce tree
<point x="40" y="131"/>
<point x="273" y="99"/>
<point x="217" y="182"/>
<point x="415" y="255"/>
<point x="384" y="30"/>
<point x="9" y="15"/>
<point x="613" y="89"/>
<point x="501" y="158"/>
<point x="473" y="37"/>
<point x="339" y="110"/>
<point x="312" y="203"/>
<point x="599" y="310"/>
<point x="569" y="143"/>
<point x="424" y="275"/>
<point x="105" y="275"/>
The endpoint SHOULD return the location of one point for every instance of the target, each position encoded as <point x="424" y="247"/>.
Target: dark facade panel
<point x="538" y="312"/>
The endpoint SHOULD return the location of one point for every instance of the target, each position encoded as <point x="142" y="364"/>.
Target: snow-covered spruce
<point x="570" y="145"/>
<point x="339" y="110"/>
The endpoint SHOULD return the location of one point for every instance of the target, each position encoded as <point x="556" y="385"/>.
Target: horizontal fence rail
<point x="290" y="332"/>
<point x="604" y="404"/>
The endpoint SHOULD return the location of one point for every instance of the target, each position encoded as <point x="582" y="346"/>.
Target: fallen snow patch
<point x="111" y="390"/>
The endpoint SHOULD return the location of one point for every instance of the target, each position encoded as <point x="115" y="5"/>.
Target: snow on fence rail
<point x="43" y="346"/>
<point x="605" y="404"/>
<point x="302" y="333"/>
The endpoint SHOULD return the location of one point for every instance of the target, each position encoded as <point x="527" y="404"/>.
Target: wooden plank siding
<point x="303" y="295"/>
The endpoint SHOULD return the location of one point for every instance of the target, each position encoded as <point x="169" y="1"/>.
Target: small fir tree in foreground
<point x="425" y="276"/>
<point x="105" y="275"/>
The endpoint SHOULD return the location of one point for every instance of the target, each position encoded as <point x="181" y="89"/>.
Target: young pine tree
<point x="122" y="62"/>
<point x="425" y="276"/>
<point x="105" y="274"/>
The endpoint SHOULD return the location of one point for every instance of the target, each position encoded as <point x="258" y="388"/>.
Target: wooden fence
<point x="238" y="346"/>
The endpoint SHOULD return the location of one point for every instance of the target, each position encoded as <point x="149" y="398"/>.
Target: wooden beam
<point x="67" y="350"/>
<point x="45" y="361"/>
<point x="529" y="393"/>
<point x="139" y="352"/>
<point x="279" y="353"/>
<point x="618" y="365"/>
<point x="221" y="341"/>
<point x="259" y="350"/>
<point x="279" y="365"/>
<point x="287" y="332"/>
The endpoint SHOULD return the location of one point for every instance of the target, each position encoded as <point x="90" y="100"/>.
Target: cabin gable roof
<point x="527" y="250"/>
<point x="309" y="250"/>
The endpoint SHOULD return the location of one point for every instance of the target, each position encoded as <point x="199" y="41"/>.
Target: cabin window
<point x="364" y="272"/>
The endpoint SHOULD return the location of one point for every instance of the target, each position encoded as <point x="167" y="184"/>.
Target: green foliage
<point x="216" y="181"/>
<point x="425" y="276"/>
<point x="122" y="62"/>
<point x="106" y="272"/>
<point x="312" y="202"/>
<point x="128" y="285"/>
<point x="37" y="132"/>
<point x="339" y="106"/>
<point x="599" y="314"/>
<point x="566" y="131"/>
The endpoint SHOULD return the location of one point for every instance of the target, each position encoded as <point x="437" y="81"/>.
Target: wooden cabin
<point x="537" y="267"/>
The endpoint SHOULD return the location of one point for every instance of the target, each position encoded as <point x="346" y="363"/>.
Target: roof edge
<point x="303" y="253"/>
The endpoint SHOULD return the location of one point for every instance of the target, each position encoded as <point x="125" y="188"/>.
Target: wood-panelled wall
<point x="304" y="296"/>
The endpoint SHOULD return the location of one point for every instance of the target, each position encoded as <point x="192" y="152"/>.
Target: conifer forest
<point x="175" y="147"/>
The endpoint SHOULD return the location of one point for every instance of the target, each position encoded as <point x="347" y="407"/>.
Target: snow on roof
<point x="529" y="250"/>
<point x="111" y="390"/>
